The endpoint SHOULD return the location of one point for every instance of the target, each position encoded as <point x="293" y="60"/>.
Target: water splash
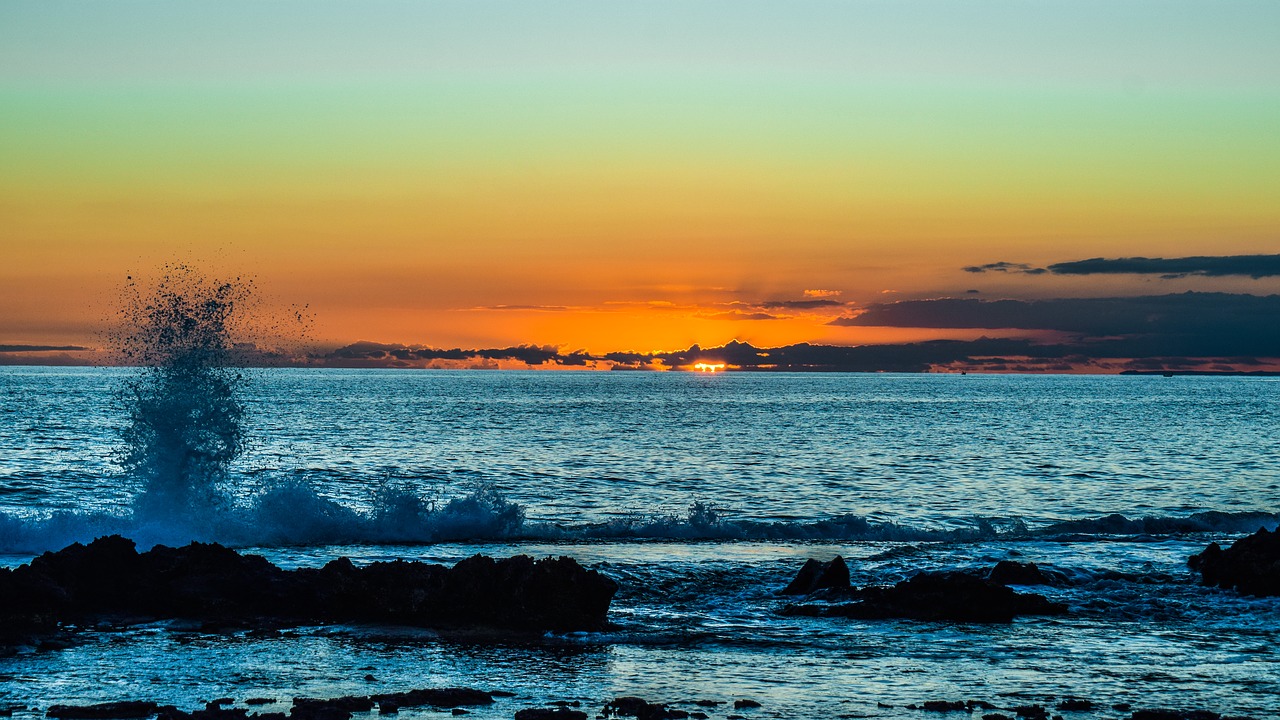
<point x="186" y="419"/>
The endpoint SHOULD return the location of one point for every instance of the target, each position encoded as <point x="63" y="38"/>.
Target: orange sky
<point x="646" y="191"/>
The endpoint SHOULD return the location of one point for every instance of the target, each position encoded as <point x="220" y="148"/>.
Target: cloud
<point x="739" y="315"/>
<point x="822" y="293"/>
<point x="1186" y="324"/>
<point x="1006" y="267"/>
<point x="40" y="348"/>
<point x="1254" y="266"/>
<point x="372" y="354"/>
<point x="535" y="308"/>
<point x="801" y="304"/>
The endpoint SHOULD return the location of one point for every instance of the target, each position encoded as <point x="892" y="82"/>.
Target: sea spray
<point x="190" y="338"/>
<point x="186" y="419"/>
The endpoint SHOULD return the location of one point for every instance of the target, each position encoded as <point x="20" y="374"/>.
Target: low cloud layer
<point x="1254" y="266"/>
<point x="40" y="348"/>
<point x="1186" y="324"/>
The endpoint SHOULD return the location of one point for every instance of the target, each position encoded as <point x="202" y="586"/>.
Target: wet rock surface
<point x="816" y="575"/>
<point x="454" y="700"/>
<point x="938" y="596"/>
<point x="215" y="584"/>
<point x="1250" y="565"/>
<point x="1011" y="572"/>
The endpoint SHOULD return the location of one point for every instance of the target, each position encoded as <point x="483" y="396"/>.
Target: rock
<point x="1162" y="714"/>
<point x="460" y="711"/>
<point x="441" y="698"/>
<point x="259" y="701"/>
<point x="1032" y="712"/>
<point x="1075" y="704"/>
<point x="741" y="704"/>
<point x="1251" y="565"/>
<point x="1009" y="572"/>
<point x="944" y="596"/>
<point x="996" y="716"/>
<point x="126" y="710"/>
<point x="641" y="709"/>
<point x="349" y="703"/>
<point x="943" y="705"/>
<point x="224" y="589"/>
<point x="815" y="575"/>
<point x="558" y="713"/>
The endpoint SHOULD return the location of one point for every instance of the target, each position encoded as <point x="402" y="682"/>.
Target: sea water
<point x="701" y="495"/>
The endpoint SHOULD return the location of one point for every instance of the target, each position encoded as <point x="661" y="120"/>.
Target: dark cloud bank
<point x="1187" y="332"/>
<point x="1210" y="332"/>
<point x="1254" y="266"/>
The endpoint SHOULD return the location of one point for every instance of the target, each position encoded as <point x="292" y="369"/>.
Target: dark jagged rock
<point x="1251" y="565"/>
<point x="1032" y="712"/>
<point x="815" y="575"/>
<point x="943" y="705"/>
<point x="1174" y="715"/>
<point x="1075" y="704"/>
<point x="126" y="710"/>
<point x="312" y="707"/>
<point x="438" y="697"/>
<point x="558" y="713"/>
<point x="223" y="588"/>
<point x="952" y="705"/>
<point x="1009" y="572"/>
<point x="742" y="704"/>
<point x="641" y="710"/>
<point x="944" y="596"/>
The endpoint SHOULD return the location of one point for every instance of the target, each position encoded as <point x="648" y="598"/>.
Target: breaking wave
<point x="295" y="514"/>
<point x="186" y="426"/>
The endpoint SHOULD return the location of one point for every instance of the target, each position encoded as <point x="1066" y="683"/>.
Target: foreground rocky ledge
<point x="1250" y="565"/>
<point x="457" y="700"/>
<point x="209" y="582"/>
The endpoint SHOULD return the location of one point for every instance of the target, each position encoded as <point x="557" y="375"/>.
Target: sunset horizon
<point x="640" y="178"/>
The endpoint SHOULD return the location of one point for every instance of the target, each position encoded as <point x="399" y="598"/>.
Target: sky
<point x="638" y="177"/>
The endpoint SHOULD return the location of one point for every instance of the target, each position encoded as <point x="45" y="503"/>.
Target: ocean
<point x="701" y="495"/>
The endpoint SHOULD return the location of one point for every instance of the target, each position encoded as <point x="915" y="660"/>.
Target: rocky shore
<point x="464" y="701"/>
<point x="109" y="578"/>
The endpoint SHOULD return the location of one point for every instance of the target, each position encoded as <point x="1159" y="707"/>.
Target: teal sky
<point x="1173" y="42"/>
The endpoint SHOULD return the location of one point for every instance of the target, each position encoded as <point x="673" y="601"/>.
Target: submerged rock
<point x="1010" y="572"/>
<point x="125" y="710"/>
<point x="338" y="708"/>
<point x="1251" y="565"/>
<point x="641" y="709"/>
<point x="217" y="585"/>
<point x="815" y="575"/>
<point x="558" y="713"/>
<point x="945" y="596"/>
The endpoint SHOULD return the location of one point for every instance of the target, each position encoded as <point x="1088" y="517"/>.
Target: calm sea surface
<point x="701" y="495"/>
